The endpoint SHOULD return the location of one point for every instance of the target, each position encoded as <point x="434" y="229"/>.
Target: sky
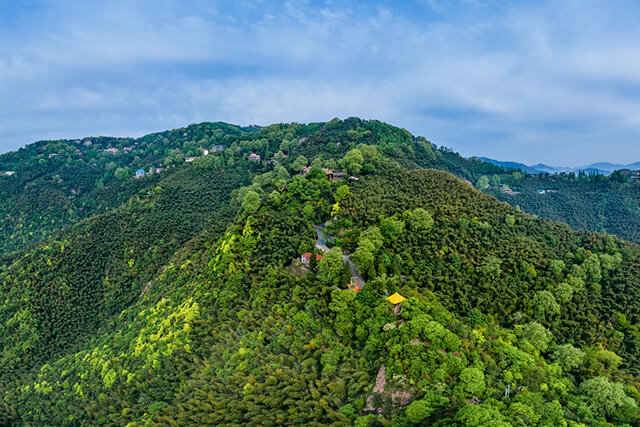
<point x="531" y="81"/>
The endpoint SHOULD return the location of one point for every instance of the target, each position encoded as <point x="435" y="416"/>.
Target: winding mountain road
<point x="321" y="243"/>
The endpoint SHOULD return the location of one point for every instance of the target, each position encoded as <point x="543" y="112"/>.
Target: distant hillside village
<point x="631" y="175"/>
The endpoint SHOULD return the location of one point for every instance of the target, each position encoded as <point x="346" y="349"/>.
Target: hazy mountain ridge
<point x="604" y="168"/>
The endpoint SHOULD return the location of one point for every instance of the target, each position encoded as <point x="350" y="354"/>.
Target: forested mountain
<point x="186" y="304"/>
<point x="585" y="202"/>
<point x="49" y="185"/>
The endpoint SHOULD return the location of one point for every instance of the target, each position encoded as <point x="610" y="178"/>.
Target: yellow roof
<point x="396" y="298"/>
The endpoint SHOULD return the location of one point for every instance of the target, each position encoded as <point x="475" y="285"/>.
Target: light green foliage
<point x="300" y="163"/>
<point x="369" y="152"/>
<point x="353" y="161"/>
<point x="426" y="147"/>
<point x="366" y="421"/>
<point x="341" y="300"/>
<point x="373" y="235"/>
<point x="490" y="268"/>
<point x="420" y="220"/>
<point x="608" y="359"/>
<point x="330" y="164"/>
<point x="225" y="329"/>
<point x="568" y="356"/>
<point x="576" y="283"/>
<point x="471" y="383"/>
<point x="510" y="220"/>
<point x="251" y="202"/>
<point x="545" y="305"/>
<point x="342" y="193"/>
<point x="592" y="269"/>
<point x="522" y="415"/>
<point x="308" y="212"/>
<point x="281" y="173"/>
<point x="563" y="292"/>
<point x="479" y="416"/>
<point x="363" y="256"/>
<point x="330" y="267"/>
<point x="603" y="396"/>
<point x="418" y="410"/>
<point x="391" y="229"/>
<point x="317" y="163"/>
<point x="536" y="335"/>
<point x="482" y="182"/>
<point x="556" y="267"/>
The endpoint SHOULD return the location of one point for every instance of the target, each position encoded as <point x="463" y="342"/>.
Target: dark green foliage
<point x="585" y="204"/>
<point x="166" y="310"/>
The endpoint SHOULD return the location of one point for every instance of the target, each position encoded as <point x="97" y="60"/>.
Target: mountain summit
<point x="309" y="275"/>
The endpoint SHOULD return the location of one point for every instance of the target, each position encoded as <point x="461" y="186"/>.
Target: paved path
<point x="355" y="274"/>
<point x="321" y="243"/>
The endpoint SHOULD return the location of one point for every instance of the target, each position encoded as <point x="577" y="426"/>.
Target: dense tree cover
<point x="603" y="205"/>
<point x="56" y="295"/>
<point x="58" y="183"/>
<point x="235" y="332"/>
<point x="479" y="254"/>
<point x="165" y="311"/>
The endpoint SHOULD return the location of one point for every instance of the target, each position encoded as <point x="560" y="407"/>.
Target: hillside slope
<point x="510" y="320"/>
<point x="55" y="184"/>
<point x="585" y="204"/>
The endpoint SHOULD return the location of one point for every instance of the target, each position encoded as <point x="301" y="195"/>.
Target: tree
<point x="280" y="172"/>
<point x="563" y="293"/>
<point x="510" y="220"/>
<point x="373" y="235"/>
<point x="482" y="183"/>
<point x="536" y="335"/>
<point x="342" y="193"/>
<point x="568" y="356"/>
<point x="420" y="220"/>
<point x="480" y="416"/>
<point x="592" y="269"/>
<point x="251" y="202"/>
<point x="391" y="229"/>
<point x="299" y="163"/>
<point x="330" y="164"/>
<point x="418" y="410"/>
<point x="545" y="305"/>
<point x="522" y="414"/>
<point x="556" y="267"/>
<point x="353" y="161"/>
<point x="490" y="268"/>
<point x="330" y="267"/>
<point x="363" y="256"/>
<point x="617" y="176"/>
<point x="471" y="383"/>
<point x="317" y="162"/>
<point x="603" y="396"/>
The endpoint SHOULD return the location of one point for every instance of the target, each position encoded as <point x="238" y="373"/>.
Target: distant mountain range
<point x="604" y="168"/>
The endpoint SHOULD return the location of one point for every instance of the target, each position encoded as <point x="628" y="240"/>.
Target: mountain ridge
<point x="605" y="168"/>
<point x="508" y="317"/>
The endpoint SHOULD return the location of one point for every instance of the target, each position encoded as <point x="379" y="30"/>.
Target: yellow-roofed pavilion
<point x="396" y="298"/>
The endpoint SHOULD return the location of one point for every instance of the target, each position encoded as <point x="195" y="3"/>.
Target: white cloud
<point x="482" y="77"/>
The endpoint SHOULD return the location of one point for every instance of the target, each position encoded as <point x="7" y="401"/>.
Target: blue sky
<point x="555" y="82"/>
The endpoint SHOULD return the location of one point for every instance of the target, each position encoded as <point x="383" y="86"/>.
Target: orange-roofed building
<point x="353" y="286"/>
<point x="305" y="259"/>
